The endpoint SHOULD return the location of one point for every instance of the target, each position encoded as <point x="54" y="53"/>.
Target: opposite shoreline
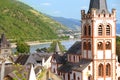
<point x="13" y="45"/>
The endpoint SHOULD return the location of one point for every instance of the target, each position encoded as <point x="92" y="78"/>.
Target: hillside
<point x="21" y="22"/>
<point x="73" y="24"/>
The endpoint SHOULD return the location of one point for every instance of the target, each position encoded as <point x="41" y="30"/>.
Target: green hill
<point x="21" y="22"/>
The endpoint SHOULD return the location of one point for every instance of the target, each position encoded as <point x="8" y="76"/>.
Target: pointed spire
<point x="32" y="75"/>
<point x="100" y="5"/>
<point x="3" y="38"/>
<point x="57" y="49"/>
<point x="4" y="41"/>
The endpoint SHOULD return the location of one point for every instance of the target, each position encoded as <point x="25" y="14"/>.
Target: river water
<point x="67" y="44"/>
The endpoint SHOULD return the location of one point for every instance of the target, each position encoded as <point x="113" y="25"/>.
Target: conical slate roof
<point x="57" y="48"/>
<point x="100" y="5"/>
<point x="3" y="41"/>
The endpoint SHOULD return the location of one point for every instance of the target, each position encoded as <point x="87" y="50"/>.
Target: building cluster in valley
<point x="92" y="58"/>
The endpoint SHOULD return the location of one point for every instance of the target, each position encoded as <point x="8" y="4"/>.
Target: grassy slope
<point x="20" y="22"/>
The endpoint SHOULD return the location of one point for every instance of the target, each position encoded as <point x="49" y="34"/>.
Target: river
<point x="67" y="44"/>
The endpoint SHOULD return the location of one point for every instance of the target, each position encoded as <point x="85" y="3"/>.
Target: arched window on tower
<point x="84" y="45"/>
<point x="108" y="45"/>
<point x="85" y="31"/>
<point x="100" y="30"/>
<point x="100" y="70"/>
<point x="108" y="30"/>
<point x="89" y="30"/>
<point x="108" y="70"/>
<point x="100" y="46"/>
<point x="89" y="46"/>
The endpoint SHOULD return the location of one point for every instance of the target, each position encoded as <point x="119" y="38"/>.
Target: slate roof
<point x="39" y="56"/>
<point x="57" y="48"/>
<point x="32" y="58"/>
<point x="75" y="48"/>
<point x="22" y="59"/>
<point x="80" y="66"/>
<point x="100" y="5"/>
<point x="25" y="59"/>
<point x="11" y="69"/>
<point x="60" y="59"/>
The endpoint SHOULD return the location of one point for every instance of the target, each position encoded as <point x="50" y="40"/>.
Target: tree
<point x="118" y="47"/>
<point x="53" y="45"/>
<point x="22" y="47"/>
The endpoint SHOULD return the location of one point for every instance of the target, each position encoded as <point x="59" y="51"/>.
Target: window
<point x="88" y="67"/>
<point x="68" y="76"/>
<point x="74" y="76"/>
<point x="108" y="70"/>
<point x="108" y="30"/>
<point x="54" y="70"/>
<point x="90" y="77"/>
<point x="100" y="46"/>
<point x="89" y="46"/>
<point x="84" y="46"/>
<point x="85" y="31"/>
<point x="108" y="45"/>
<point x="79" y="58"/>
<point x="74" y="58"/>
<point x="69" y="58"/>
<point x="63" y="76"/>
<point x="100" y="70"/>
<point x="100" y="30"/>
<point x="89" y="30"/>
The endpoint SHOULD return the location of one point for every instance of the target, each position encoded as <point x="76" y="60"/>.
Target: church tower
<point x="99" y="39"/>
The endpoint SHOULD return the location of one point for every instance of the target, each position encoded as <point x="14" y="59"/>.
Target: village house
<point x="94" y="57"/>
<point x="10" y="71"/>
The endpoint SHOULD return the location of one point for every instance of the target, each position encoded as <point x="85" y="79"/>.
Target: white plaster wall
<point x="90" y="54"/>
<point x="100" y="54"/>
<point x="54" y="66"/>
<point x="87" y="72"/>
<point x="47" y="63"/>
<point x="32" y="75"/>
<point x="53" y="60"/>
<point x="100" y="79"/>
<point x="103" y="79"/>
<point x="108" y="54"/>
<point x="6" y="51"/>
<point x="78" y="74"/>
<point x="84" y="54"/>
<point x="108" y="79"/>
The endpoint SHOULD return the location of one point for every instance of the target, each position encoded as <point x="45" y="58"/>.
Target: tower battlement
<point x="94" y="14"/>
